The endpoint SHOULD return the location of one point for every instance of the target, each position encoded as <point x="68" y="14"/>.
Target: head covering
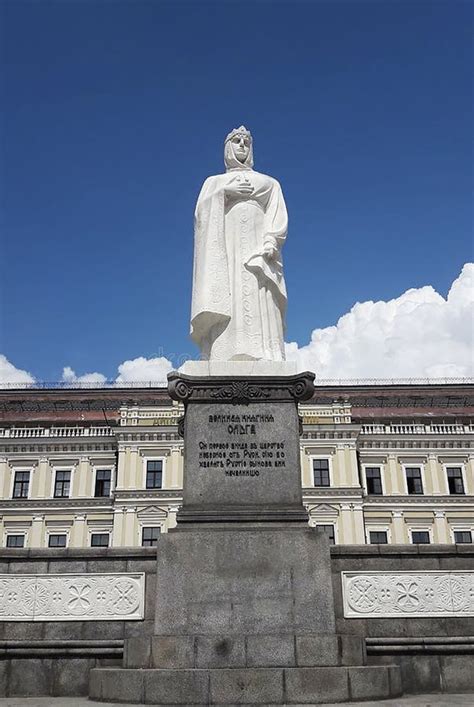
<point x="230" y="159"/>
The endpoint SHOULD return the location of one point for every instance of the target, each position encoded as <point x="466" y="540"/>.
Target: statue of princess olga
<point x="239" y="294"/>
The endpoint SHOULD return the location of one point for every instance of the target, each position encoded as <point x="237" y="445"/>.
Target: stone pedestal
<point x="244" y="610"/>
<point x="241" y="449"/>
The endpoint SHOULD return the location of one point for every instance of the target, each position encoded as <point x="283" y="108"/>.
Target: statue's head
<point x="238" y="153"/>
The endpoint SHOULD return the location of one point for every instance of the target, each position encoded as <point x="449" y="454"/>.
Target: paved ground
<point x="411" y="701"/>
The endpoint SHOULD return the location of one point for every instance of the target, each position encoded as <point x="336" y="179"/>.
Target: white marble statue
<point x="239" y="293"/>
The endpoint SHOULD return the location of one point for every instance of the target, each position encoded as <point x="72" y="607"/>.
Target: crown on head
<point x="241" y="132"/>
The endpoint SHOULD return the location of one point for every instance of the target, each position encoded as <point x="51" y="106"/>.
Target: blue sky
<point x="115" y="112"/>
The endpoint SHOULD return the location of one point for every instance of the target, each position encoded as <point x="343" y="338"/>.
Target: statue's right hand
<point x="238" y="186"/>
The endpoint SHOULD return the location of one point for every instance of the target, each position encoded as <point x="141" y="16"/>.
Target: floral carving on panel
<point x="69" y="597"/>
<point x="385" y="595"/>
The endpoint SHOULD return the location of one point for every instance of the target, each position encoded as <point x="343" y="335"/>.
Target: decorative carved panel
<point x="72" y="597"/>
<point x="407" y="594"/>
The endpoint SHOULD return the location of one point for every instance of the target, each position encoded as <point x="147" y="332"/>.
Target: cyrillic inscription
<point x="237" y="456"/>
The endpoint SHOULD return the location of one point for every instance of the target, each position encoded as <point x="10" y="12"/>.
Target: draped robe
<point x="239" y="294"/>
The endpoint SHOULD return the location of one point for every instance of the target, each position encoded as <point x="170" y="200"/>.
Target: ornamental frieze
<point x="72" y="597"/>
<point x="407" y="594"/>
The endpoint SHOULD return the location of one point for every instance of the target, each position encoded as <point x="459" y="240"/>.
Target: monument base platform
<point x="245" y="686"/>
<point x="244" y="610"/>
<point x="238" y="368"/>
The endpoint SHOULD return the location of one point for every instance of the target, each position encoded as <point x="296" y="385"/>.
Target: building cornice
<point x="403" y="500"/>
<point x="55" y="503"/>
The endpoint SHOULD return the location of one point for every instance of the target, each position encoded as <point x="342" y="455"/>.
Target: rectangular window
<point x="455" y="482"/>
<point x="378" y="537"/>
<point x="329" y="530"/>
<point x="374" y="480"/>
<point x="102" y="482"/>
<point x="62" y="484"/>
<point x="150" y="536"/>
<point x="414" y="482"/>
<point x="100" y="540"/>
<point x="462" y="536"/>
<point x="321" y="472"/>
<point x="57" y="541"/>
<point x="154" y="474"/>
<point x="21" y="484"/>
<point x="15" y="541"/>
<point x="420" y="537"/>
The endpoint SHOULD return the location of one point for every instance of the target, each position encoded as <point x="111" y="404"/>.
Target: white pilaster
<point x="82" y="487"/>
<point x="398" y="528"/>
<point x="175" y="478"/>
<point x="37" y="531"/>
<point x="78" y="532"/>
<point x="172" y="511"/>
<point x="433" y="476"/>
<point x="358" y="518"/>
<point x="441" y="528"/>
<point x="41" y="480"/>
<point x="129" y="538"/>
<point x="119" y="527"/>
<point x="5" y="472"/>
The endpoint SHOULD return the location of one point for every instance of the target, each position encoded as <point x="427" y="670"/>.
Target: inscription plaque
<point x="242" y="448"/>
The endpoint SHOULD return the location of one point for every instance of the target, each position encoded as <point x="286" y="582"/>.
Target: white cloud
<point x="144" y="369"/>
<point x="69" y="376"/>
<point x="10" y="374"/>
<point x="419" y="334"/>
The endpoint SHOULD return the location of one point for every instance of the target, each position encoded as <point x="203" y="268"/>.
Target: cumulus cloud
<point x="418" y="334"/>
<point x="144" y="369"/>
<point x="69" y="376"/>
<point x="137" y="370"/>
<point x="10" y="374"/>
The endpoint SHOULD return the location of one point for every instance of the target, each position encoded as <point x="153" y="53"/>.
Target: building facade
<point x="104" y="467"/>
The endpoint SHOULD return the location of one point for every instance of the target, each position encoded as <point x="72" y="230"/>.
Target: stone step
<point x="250" y="651"/>
<point x="244" y="686"/>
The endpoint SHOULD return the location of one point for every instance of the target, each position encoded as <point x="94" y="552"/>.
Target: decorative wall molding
<point x="72" y="597"/>
<point x="407" y="594"/>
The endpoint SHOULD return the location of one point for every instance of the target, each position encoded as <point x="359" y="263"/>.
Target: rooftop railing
<point x="417" y="429"/>
<point x="29" y="432"/>
<point x="87" y="385"/>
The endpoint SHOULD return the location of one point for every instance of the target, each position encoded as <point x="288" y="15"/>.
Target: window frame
<point x="15" y="535"/>
<point x="463" y="478"/>
<point x="366" y="466"/>
<point x="320" y="457"/>
<point x="62" y="467"/>
<point x="51" y="534"/>
<point x="145" y="473"/>
<point x="96" y="471"/>
<point x="421" y="467"/>
<point x="149" y="527"/>
<point x="428" y="531"/>
<point x="378" y="530"/>
<point x="61" y="470"/>
<point x="99" y="532"/>
<point x="463" y="530"/>
<point x="20" y="470"/>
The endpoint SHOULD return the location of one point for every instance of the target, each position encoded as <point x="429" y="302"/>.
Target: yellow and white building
<point x="380" y="463"/>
